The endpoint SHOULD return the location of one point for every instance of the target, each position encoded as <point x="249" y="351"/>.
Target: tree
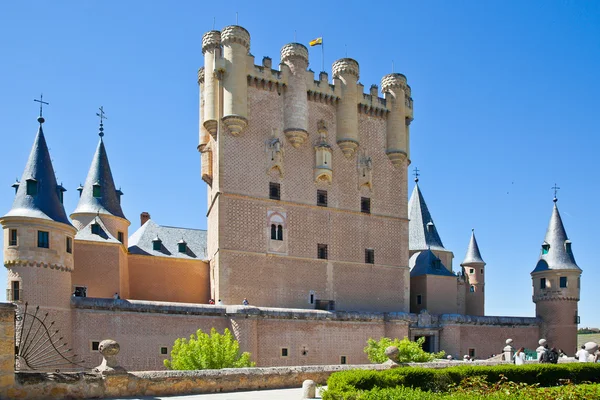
<point x="408" y="351"/>
<point x="206" y="351"/>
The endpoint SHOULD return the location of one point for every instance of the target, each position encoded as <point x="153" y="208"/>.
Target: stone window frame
<point x="160" y="350"/>
<point x="121" y="237"/>
<point x="322" y="251"/>
<point x="369" y="256"/>
<point x="322" y="198"/>
<point x="92" y="342"/>
<point x="565" y="280"/>
<point x="284" y="352"/>
<point x="69" y="245"/>
<point x="41" y="243"/>
<point x="543" y="283"/>
<point x="13" y="241"/>
<point x="343" y="360"/>
<point x="365" y="205"/>
<point x="274" y="191"/>
<point x="12" y="290"/>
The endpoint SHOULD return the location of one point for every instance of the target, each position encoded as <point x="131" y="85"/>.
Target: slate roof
<point x="46" y="203"/>
<point x="557" y="257"/>
<point x="103" y="235"/>
<point x="100" y="173"/>
<point x="426" y="263"/>
<point x="422" y="233"/>
<point x="141" y="241"/>
<point x="473" y="255"/>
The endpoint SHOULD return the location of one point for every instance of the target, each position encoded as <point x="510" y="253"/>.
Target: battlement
<point x="294" y="50"/>
<point x="392" y="81"/>
<point x="235" y="34"/>
<point x="211" y="40"/>
<point x="345" y="66"/>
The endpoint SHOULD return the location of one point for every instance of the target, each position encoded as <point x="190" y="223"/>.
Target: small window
<point x="568" y="247"/>
<point x="322" y="251"/>
<point x="61" y="196"/>
<point x="472" y="289"/>
<point x="80" y="291"/>
<point x="545" y="248"/>
<point x="311" y="297"/>
<point x="273" y="232"/>
<point x="437" y="264"/>
<point x="322" y="198"/>
<point x="156" y="244"/>
<point x="365" y="205"/>
<point x="419" y="299"/>
<point x="69" y="245"/>
<point x="96" y="192"/>
<point x="472" y="353"/>
<point x="369" y="256"/>
<point x="95" y="345"/>
<point x="578" y="283"/>
<point x="274" y="191"/>
<point x="12" y="237"/>
<point x="95" y="229"/>
<point x="471" y="270"/>
<point x="481" y="271"/>
<point x="182" y="247"/>
<point x="164" y="350"/>
<point x="543" y="283"/>
<point x="342" y="359"/>
<point x="43" y="239"/>
<point x="279" y="232"/>
<point x="16" y="291"/>
<point x="563" y="281"/>
<point x="284" y="352"/>
<point x="120" y="236"/>
<point x="32" y="187"/>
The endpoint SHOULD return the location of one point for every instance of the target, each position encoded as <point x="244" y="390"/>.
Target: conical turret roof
<point x="46" y="202"/>
<point x="108" y="201"/>
<point x="556" y="249"/>
<point x="422" y="233"/>
<point x="473" y="255"/>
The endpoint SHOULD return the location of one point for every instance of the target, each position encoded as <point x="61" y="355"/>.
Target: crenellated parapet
<point x="345" y="66"/>
<point x="235" y="34"/>
<point x="294" y="50"/>
<point x="294" y="62"/>
<point x="395" y="88"/>
<point x="345" y="74"/>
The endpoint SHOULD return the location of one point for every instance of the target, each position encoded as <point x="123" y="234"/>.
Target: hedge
<point x="439" y="380"/>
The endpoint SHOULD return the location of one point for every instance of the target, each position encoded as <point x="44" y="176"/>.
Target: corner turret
<point x="294" y="59"/>
<point x="208" y="82"/>
<point x="473" y="268"/>
<point x="345" y="74"/>
<point x="236" y="46"/>
<point x="397" y="96"/>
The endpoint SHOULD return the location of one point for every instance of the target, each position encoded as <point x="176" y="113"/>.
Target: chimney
<point x="144" y="217"/>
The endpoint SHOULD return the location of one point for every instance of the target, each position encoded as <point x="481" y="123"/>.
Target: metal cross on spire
<point x="102" y="118"/>
<point x="555" y="188"/>
<point x="42" y="102"/>
<point x="416" y="174"/>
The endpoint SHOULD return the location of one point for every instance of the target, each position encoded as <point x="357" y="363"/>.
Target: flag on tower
<point x="316" y="42"/>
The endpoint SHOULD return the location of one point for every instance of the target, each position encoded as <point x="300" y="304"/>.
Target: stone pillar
<point x="7" y="347"/>
<point x="508" y="350"/>
<point x="294" y="57"/>
<point x="345" y="74"/>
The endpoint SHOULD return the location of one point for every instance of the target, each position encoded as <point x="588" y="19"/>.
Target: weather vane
<point x="556" y="188"/>
<point x="42" y="102"/>
<point x="416" y="174"/>
<point x="102" y="118"/>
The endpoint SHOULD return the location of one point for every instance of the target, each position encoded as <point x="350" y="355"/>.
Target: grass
<point x="588" y="337"/>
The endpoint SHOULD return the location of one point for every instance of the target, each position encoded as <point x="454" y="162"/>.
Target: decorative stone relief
<point x="323" y="155"/>
<point x="275" y="155"/>
<point x="365" y="171"/>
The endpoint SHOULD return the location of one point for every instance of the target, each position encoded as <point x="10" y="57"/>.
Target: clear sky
<point x="505" y="103"/>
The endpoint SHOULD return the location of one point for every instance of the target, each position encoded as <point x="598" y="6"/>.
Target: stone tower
<point x="473" y="269"/>
<point x="556" y="287"/>
<point x="38" y="239"/>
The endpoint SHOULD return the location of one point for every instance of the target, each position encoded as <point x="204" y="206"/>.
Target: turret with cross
<point x="102" y="116"/>
<point x="42" y="102"/>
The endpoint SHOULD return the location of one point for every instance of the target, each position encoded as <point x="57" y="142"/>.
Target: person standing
<point x="582" y="355"/>
<point x="520" y="356"/>
<point x="245" y="302"/>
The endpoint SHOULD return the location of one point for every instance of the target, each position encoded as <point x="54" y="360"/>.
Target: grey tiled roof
<point x="473" y="255"/>
<point x="422" y="233"/>
<point x="426" y="263"/>
<point x="558" y="257"/>
<point x="103" y="235"/>
<point x="141" y="241"/>
<point x="99" y="173"/>
<point x="46" y="203"/>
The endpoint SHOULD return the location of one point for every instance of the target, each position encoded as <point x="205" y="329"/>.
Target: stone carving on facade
<point x="323" y="155"/>
<point x="275" y="154"/>
<point x="365" y="171"/>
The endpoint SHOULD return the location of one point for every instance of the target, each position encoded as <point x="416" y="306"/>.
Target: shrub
<point x="408" y="351"/>
<point x="206" y="351"/>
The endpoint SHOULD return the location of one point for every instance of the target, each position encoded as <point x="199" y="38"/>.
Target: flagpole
<point x="322" y="54"/>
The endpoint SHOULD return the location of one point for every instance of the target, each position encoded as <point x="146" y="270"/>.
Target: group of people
<point x="549" y="355"/>
<point x="584" y="356"/>
<point x="245" y="302"/>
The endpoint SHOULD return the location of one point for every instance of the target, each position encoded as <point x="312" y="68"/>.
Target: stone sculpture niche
<point x="323" y="153"/>
<point x="275" y="155"/>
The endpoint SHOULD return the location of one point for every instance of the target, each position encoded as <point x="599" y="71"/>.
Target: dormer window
<point x="182" y="246"/>
<point x="156" y="244"/>
<point x="32" y="187"/>
<point x="568" y="246"/>
<point x="429" y="226"/>
<point x="96" y="190"/>
<point x="16" y="186"/>
<point x="545" y="248"/>
<point x="95" y="228"/>
<point x="437" y="264"/>
<point x="60" y="190"/>
<point x="119" y="194"/>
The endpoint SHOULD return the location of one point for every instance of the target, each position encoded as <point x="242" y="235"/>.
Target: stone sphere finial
<point x="392" y="353"/>
<point x="509" y="341"/>
<point x="109" y="350"/>
<point x="542" y="342"/>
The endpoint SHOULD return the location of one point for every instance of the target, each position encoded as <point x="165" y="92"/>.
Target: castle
<point x="307" y="218"/>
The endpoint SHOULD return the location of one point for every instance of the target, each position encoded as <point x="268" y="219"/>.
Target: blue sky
<point x="505" y="98"/>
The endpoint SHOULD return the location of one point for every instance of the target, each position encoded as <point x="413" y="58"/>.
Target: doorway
<point x="428" y="344"/>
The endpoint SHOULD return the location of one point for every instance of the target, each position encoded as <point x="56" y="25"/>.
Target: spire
<point x="556" y="249"/>
<point x="422" y="233"/>
<point x="38" y="195"/>
<point x="99" y="194"/>
<point x="473" y="255"/>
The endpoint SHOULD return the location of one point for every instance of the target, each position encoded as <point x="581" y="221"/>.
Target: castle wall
<point x="98" y="267"/>
<point x="168" y="279"/>
<point x="441" y="294"/>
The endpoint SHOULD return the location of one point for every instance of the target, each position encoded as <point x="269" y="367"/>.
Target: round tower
<point x="345" y="75"/>
<point x="204" y="139"/>
<point x="236" y="45"/>
<point x="556" y="287"/>
<point x="294" y="57"/>
<point x="473" y="268"/>
<point x="207" y="80"/>
<point x="395" y="89"/>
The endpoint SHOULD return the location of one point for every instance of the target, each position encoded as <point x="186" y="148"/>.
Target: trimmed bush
<point x="408" y="351"/>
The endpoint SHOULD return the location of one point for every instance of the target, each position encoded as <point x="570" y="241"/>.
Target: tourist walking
<point x="583" y="355"/>
<point x="520" y="356"/>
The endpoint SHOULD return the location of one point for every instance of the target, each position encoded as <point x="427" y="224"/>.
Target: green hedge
<point x="439" y="380"/>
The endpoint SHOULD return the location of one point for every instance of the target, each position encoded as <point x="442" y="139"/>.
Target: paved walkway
<point x="284" y="394"/>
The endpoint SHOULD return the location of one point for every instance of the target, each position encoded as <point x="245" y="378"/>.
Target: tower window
<point x="274" y="191"/>
<point x="43" y="239"/>
<point x="322" y="198"/>
<point x="545" y="248"/>
<point x="419" y="299"/>
<point x="543" y="283"/>
<point x="60" y="196"/>
<point x="279" y="232"/>
<point x="369" y="256"/>
<point x="120" y="236"/>
<point x="69" y="245"/>
<point x="471" y="270"/>
<point x="437" y="264"/>
<point x="273" y="232"/>
<point x="15" y="290"/>
<point x="563" y="281"/>
<point x="481" y="271"/>
<point x="472" y="289"/>
<point x="365" y="205"/>
<point x="568" y="247"/>
<point x="578" y="283"/>
<point x="95" y="228"/>
<point x="96" y="190"/>
<point x="32" y="187"/>
<point x="311" y="297"/>
<point x="322" y="251"/>
<point x="12" y="237"/>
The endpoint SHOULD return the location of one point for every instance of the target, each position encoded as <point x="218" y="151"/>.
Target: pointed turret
<point x="38" y="195"/>
<point x="473" y="255"/>
<point x="473" y="269"/>
<point x="422" y="233"/>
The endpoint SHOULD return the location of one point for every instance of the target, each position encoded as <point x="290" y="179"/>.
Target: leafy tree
<point x="206" y="351"/>
<point x="408" y="351"/>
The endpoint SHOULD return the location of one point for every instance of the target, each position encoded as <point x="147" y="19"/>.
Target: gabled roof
<point x="426" y="263"/>
<point x="422" y="233"/>
<point x="556" y="237"/>
<point x="103" y="235"/>
<point x="473" y="255"/>
<point x="141" y="242"/>
<point x="46" y="203"/>
<point x="100" y="174"/>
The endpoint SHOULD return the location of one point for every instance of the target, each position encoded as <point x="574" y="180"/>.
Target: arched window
<point x="274" y="232"/>
<point x="279" y="232"/>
